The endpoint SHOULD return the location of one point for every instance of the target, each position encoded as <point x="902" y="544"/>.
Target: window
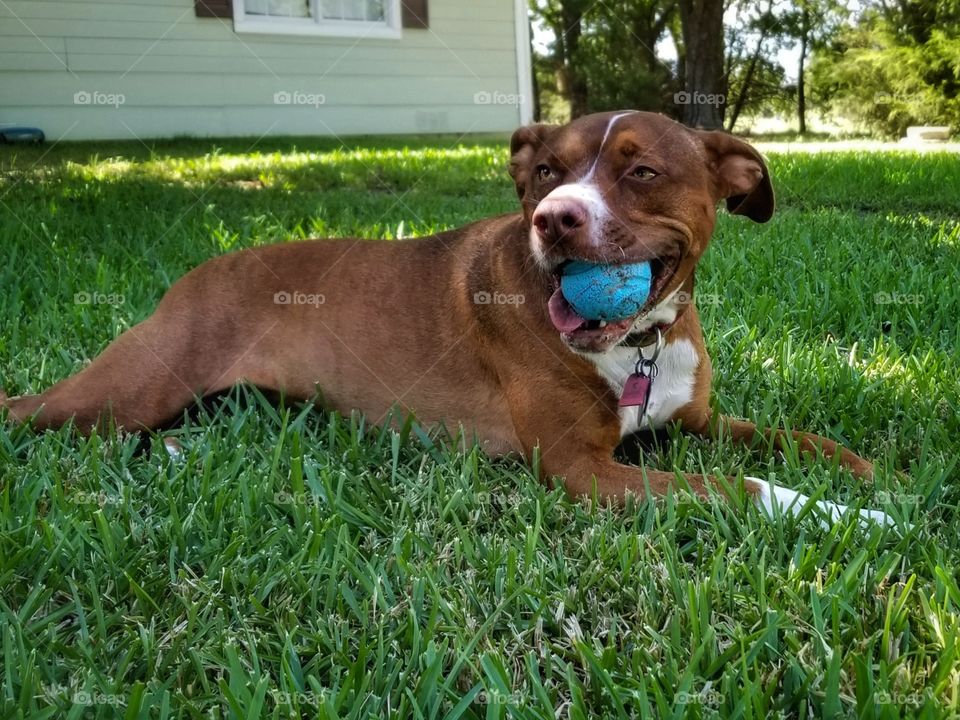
<point x="357" y="18"/>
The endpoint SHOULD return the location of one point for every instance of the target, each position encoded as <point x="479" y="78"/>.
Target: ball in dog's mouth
<point x="595" y="335"/>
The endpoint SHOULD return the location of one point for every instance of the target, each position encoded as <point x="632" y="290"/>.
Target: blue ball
<point x="606" y="292"/>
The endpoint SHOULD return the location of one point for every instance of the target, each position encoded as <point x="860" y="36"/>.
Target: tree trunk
<point x="571" y="15"/>
<point x="748" y="76"/>
<point x="534" y="80"/>
<point x="704" y="93"/>
<point x="681" y="56"/>
<point x="646" y="28"/>
<point x="744" y="89"/>
<point x="801" y="95"/>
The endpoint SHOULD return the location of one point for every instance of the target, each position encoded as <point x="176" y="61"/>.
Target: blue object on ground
<point x="22" y="135"/>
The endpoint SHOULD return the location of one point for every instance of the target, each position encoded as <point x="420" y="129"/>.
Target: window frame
<point x="314" y="25"/>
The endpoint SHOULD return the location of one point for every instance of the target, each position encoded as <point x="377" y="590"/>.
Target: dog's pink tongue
<point x="562" y="315"/>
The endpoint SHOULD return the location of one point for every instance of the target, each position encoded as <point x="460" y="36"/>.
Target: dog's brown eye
<point x="544" y="173"/>
<point x="645" y="173"/>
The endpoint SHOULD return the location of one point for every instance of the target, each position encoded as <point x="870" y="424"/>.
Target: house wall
<point x="150" y="68"/>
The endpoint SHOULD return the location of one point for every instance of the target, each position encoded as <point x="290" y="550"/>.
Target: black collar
<point x="645" y="338"/>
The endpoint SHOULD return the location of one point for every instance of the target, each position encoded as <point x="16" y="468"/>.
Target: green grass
<point x="296" y="563"/>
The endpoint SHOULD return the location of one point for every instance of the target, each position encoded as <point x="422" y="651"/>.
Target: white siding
<point x="177" y="74"/>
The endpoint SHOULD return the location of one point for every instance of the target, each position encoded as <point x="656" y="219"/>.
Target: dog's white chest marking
<point x="670" y="391"/>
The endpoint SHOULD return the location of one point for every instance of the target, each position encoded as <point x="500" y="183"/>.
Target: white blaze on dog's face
<point x="631" y="187"/>
<point x="584" y="193"/>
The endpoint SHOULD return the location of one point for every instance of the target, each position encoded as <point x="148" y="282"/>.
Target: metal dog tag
<point x="636" y="389"/>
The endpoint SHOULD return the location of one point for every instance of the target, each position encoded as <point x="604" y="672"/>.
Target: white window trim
<point x="390" y="29"/>
<point x="524" y="61"/>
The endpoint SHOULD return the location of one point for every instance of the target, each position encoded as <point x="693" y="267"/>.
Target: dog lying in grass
<point x="419" y="324"/>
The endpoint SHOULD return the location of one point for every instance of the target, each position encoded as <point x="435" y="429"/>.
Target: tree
<point x="810" y="23"/>
<point x="565" y="19"/>
<point x="743" y="76"/>
<point x="757" y="87"/>
<point x="896" y="65"/>
<point x="897" y="62"/>
<point x="702" y="27"/>
<point x="635" y="79"/>
<point x="587" y="57"/>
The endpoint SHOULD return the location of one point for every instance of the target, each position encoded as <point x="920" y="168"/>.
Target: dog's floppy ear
<point x="523" y="146"/>
<point x="741" y="175"/>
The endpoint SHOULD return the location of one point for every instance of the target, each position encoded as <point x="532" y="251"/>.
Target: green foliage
<point x="889" y="66"/>
<point x="765" y="89"/>
<point x="299" y="564"/>
<point x="755" y="82"/>
<point x="553" y="107"/>
<point x="606" y="53"/>
<point x="894" y="69"/>
<point x="618" y="56"/>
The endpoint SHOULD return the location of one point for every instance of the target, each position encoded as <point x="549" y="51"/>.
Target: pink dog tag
<point x="636" y="392"/>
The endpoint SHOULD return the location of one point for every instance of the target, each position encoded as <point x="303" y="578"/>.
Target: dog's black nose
<point x="557" y="217"/>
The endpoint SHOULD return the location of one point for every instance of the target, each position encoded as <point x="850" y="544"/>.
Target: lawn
<point x="299" y="563"/>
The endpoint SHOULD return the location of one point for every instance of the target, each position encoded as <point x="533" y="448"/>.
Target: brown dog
<point x="468" y="326"/>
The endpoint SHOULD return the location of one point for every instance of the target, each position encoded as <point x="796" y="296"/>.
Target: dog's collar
<point x="648" y="336"/>
<point x="645" y="338"/>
